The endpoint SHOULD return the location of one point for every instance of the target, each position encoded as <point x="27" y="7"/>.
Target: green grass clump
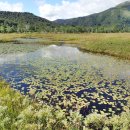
<point x="18" y="112"/>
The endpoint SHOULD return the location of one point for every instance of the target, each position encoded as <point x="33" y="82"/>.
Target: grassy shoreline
<point x="113" y="44"/>
<point x="18" y="112"/>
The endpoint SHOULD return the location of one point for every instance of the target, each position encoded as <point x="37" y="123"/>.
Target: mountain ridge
<point x="115" y="19"/>
<point x="115" y="16"/>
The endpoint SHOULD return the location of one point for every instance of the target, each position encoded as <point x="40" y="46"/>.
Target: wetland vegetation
<point x="19" y="112"/>
<point x="114" y="44"/>
<point x="62" y="87"/>
<point x="67" y="74"/>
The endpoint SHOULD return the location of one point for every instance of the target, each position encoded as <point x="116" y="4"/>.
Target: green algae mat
<point x="65" y="77"/>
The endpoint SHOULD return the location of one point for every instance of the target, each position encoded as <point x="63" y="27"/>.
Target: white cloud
<point x="69" y="9"/>
<point x="6" y="6"/>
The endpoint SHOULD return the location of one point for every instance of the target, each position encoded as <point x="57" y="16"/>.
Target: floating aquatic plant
<point x="77" y="84"/>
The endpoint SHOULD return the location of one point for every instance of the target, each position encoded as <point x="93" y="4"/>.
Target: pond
<point x="65" y="77"/>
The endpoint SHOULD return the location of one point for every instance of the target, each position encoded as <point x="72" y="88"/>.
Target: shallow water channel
<point x="65" y="77"/>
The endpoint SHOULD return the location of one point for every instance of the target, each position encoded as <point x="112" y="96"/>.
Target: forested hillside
<point x="23" y="22"/>
<point x="116" y="19"/>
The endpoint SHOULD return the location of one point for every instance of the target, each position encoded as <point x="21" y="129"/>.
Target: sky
<point x="58" y="9"/>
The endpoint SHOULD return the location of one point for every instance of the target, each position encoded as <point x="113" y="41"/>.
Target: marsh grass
<point x="114" y="44"/>
<point x="18" y="112"/>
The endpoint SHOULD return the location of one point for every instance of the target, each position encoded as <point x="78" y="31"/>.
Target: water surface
<point x="66" y="77"/>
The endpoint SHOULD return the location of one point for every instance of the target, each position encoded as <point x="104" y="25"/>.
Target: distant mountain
<point x="117" y="18"/>
<point x="23" y="22"/>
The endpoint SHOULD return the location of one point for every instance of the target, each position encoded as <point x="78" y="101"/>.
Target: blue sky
<point x="28" y="5"/>
<point x="58" y="9"/>
<point x="32" y="5"/>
